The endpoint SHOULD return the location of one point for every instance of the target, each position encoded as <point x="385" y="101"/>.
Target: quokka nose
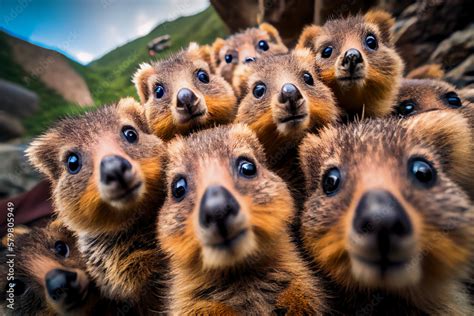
<point x="351" y="59"/>
<point x="114" y="169"/>
<point x="218" y="206"/>
<point x="289" y="92"/>
<point x="380" y="214"/>
<point x="61" y="284"/>
<point x="187" y="100"/>
<point x="249" y="59"/>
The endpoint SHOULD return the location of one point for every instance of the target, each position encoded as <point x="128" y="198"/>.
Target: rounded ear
<point x="308" y="36"/>
<point x="131" y="108"/>
<point x="272" y="32"/>
<point x="140" y="80"/>
<point x="240" y="80"/>
<point x="19" y="230"/>
<point x="431" y="71"/>
<point x="42" y="154"/>
<point x="384" y="22"/>
<point x="215" y="51"/>
<point x="201" y="52"/>
<point x="451" y="134"/>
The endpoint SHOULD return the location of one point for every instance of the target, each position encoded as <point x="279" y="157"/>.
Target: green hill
<point x="109" y="77"/>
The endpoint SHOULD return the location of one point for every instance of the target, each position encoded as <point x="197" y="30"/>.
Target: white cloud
<point x="144" y="24"/>
<point x="83" y="57"/>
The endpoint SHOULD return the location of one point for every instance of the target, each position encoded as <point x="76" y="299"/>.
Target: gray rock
<point x="10" y="127"/>
<point x="455" y="49"/>
<point x="463" y="74"/>
<point x="16" y="100"/>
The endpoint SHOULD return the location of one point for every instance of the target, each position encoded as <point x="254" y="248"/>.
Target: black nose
<point x="249" y="59"/>
<point x="186" y="100"/>
<point x="62" y="284"/>
<point x="380" y="214"/>
<point x="290" y="93"/>
<point x="351" y="59"/>
<point x="114" y="169"/>
<point x="218" y="206"/>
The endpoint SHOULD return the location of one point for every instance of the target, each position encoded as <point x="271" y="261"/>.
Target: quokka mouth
<point x="229" y="243"/>
<point x="127" y="193"/>
<point x="294" y="118"/>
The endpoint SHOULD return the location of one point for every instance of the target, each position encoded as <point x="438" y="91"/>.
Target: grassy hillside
<point x="109" y="77"/>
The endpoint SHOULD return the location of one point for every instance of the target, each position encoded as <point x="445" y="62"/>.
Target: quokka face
<point x="243" y="47"/>
<point x="388" y="204"/>
<point x="284" y="98"/>
<point x="421" y="95"/>
<point x="49" y="276"/>
<point x="224" y="208"/>
<point x="358" y="61"/>
<point x="181" y="94"/>
<point x="104" y="166"/>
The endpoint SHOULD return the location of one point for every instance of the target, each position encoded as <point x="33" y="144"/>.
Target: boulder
<point x="463" y="74"/>
<point x="16" y="100"/>
<point x="455" y="49"/>
<point x="10" y="127"/>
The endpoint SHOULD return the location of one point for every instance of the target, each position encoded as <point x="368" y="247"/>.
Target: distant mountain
<point x="62" y="83"/>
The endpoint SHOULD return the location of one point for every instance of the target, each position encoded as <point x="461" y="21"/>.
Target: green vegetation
<point x="109" y="77"/>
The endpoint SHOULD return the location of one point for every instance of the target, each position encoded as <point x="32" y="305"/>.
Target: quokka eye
<point x="159" y="91"/>
<point x="406" y="108"/>
<point x="326" y="52"/>
<point x="179" y="188"/>
<point x="453" y="100"/>
<point x="73" y="163"/>
<point x="331" y="181"/>
<point x="422" y="172"/>
<point x="263" y="45"/>
<point x="61" y="248"/>
<point x="308" y="79"/>
<point x="228" y="58"/>
<point x="371" y="42"/>
<point x="259" y="90"/>
<point x="202" y="76"/>
<point x="130" y="134"/>
<point x="246" y="168"/>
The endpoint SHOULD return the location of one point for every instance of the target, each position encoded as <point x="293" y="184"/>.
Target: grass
<point x="109" y="77"/>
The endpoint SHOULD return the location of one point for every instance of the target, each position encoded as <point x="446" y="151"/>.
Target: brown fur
<point x="115" y="235"/>
<point x="430" y="71"/>
<point x="373" y="155"/>
<point x="243" y="45"/>
<point x="216" y="98"/>
<point x="262" y="274"/>
<point x="372" y="95"/>
<point x="34" y="257"/>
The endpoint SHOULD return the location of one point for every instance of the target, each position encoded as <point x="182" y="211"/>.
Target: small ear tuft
<point x="431" y="71"/>
<point x="42" y="154"/>
<point x="19" y="230"/>
<point x="303" y="53"/>
<point x="384" y="22"/>
<point x="131" y="108"/>
<point x="272" y="32"/>
<point x="140" y="79"/>
<point x="201" y="52"/>
<point x="215" y="51"/>
<point x="308" y="37"/>
<point x="240" y="80"/>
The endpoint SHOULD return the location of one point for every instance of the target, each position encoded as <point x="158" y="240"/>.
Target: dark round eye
<point x="371" y="42"/>
<point x="61" y="248"/>
<point x="246" y="168"/>
<point x="130" y="134"/>
<point x="19" y="287"/>
<point x="406" y="108"/>
<point x="326" y="53"/>
<point x="159" y="91"/>
<point x="73" y="163"/>
<point x="263" y="45"/>
<point x="453" y="100"/>
<point x="422" y="171"/>
<point x="308" y="79"/>
<point x="179" y="188"/>
<point x="331" y="181"/>
<point x="228" y="58"/>
<point x="259" y="90"/>
<point x="203" y="76"/>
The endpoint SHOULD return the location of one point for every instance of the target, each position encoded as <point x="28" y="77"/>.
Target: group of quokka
<point x="256" y="180"/>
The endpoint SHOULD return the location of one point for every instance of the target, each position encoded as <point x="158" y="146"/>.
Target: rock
<point x="16" y="174"/>
<point x="10" y="127"/>
<point x="463" y="74"/>
<point x="455" y="49"/>
<point x="16" y="100"/>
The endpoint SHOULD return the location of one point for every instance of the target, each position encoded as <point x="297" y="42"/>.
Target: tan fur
<point x="430" y="71"/>
<point x="442" y="216"/>
<point x="207" y="281"/>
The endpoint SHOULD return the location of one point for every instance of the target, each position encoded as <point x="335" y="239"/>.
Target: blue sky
<point x="87" y="29"/>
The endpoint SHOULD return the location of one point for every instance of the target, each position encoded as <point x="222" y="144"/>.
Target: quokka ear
<point x="42" y="154"/>
<point x="430" y="71"/>
<point x="240" y="80"/>
<point x="384" y="22"/>
<point x="19" y="230"/>
<point x="271" y="31"/>
<point x="450" y="133"/>
<point x="308" y="37"/>
<point x="140" y="79"/>
<point x="216" y="47"/>
<point x="128" y="107"/>
<point x="201" y="52"/>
